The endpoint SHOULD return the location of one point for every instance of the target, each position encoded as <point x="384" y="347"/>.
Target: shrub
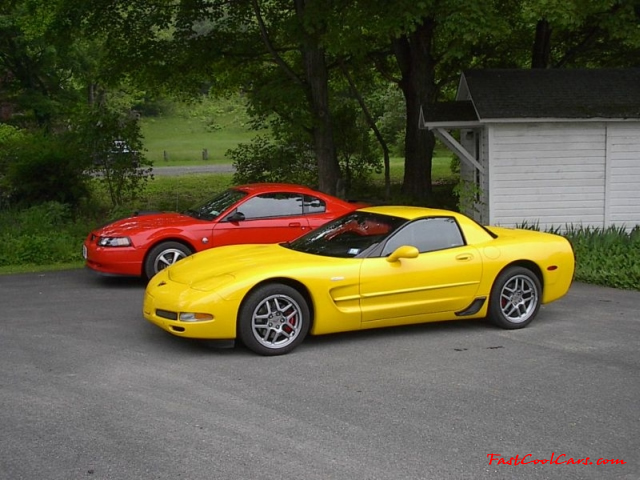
<point x="604" y="256"/>
<point x="41" y="168"/>
<point x="8" y="132"/>
<point x="112" y="143"/>
<point x="609" y="256"/>
<point x="359" y="155"/>
<point x="40" y="235"/>
<point x="265" y="161"/>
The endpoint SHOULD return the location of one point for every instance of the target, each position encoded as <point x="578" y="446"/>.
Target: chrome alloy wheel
<point x="167" y="258"/>
<point x="276" y="321"/>
<point x="519" y="298"/>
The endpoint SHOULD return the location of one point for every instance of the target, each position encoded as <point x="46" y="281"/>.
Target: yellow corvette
<point x="374" y="267"/>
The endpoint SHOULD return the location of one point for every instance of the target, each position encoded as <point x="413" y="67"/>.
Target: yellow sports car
<point x="374" y="267"/>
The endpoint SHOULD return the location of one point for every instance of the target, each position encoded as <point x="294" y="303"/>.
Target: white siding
<point x="550" y="174"/>
<point x="623" y="174"/>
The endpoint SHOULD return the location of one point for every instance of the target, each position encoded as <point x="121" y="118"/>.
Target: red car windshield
<point x="214" y="207"/>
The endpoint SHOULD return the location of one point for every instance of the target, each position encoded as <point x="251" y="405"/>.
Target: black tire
<point x="274" y="319"/>
<point x="163" y="255"/>
<point x="515" y="298"/>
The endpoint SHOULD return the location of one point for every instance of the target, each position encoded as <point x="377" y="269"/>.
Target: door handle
<point x="295" y="225"/>
<point x="464" y="257"/>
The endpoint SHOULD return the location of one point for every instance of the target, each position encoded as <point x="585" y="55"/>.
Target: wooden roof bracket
<point x="455" y="146"/>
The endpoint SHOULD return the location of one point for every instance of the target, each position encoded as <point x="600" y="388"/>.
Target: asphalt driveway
<point x="90" y="390"/>
<point x="165" y="171"/>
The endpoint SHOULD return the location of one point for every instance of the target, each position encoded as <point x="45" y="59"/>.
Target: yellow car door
<point x="442" y="276"/>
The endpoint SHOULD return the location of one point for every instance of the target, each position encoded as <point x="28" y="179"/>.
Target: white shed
<point x="548" y="147"/>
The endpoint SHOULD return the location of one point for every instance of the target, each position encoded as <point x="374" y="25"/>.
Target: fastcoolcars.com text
<point x="562" y="459"/>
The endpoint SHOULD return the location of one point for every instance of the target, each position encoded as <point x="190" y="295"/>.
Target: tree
<point x="37" y="167"/>
<point x="311" y="20"/>
<point x="421" y="47"/>
<point x="416" y="61"/>
<point x="181" y="46"/>
<point x="34" y="76"/>
<point x="112" y="143"/>
<point x="284" y="54"/>
<point x="582" y="33"/>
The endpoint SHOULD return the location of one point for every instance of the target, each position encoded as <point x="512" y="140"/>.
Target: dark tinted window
<point x="427" y="234"/>
<point x="314" y="205"/>
<point x="272" y="205"/>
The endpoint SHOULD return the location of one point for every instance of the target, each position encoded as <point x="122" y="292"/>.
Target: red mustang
<point x="144" y="244"/>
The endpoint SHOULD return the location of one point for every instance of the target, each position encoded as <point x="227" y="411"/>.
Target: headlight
<point x="195" y="317"/>
<point x="114" y="242"/>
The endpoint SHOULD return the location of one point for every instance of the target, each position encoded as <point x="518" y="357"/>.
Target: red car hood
<point x="130" y="225"/>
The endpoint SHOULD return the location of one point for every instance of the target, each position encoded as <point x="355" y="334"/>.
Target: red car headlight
<point x="114" y="242"/>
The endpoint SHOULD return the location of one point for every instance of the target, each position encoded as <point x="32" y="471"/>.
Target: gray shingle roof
<point x="580" y="94"/>
<point x="459" y="111"/>
<point x="554" y="93"/>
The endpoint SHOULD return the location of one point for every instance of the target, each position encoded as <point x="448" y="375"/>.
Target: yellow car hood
<point x="211" y="268"/>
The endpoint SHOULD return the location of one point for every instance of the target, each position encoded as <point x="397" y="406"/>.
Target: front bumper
<point x="112" y="260"/>
<point x="164" y="313"/>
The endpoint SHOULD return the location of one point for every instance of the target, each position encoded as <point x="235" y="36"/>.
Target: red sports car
<point x="144" y="244"/>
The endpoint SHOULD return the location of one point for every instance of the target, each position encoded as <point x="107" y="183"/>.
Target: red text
<point x="553" y="460"/>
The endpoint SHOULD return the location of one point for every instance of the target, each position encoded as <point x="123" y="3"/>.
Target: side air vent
<point x="472" y="309"/>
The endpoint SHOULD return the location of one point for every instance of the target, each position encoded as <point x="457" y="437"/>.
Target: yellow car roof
<point x="409" y="212"/>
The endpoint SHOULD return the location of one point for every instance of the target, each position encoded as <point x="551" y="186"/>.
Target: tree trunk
<point x="417" y="67"/>
<point x="541" y="51"/>
<point x="325" y="148"/>
<point x="317" y="80"/>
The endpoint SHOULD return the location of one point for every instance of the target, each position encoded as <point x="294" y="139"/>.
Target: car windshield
<point x="352" y="235"/>
<point x="214" y="207"/>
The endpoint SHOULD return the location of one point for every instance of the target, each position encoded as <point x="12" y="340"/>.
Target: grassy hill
<point x="179" y="137"/>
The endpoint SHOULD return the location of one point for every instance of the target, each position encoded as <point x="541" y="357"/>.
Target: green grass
<point x="215" y="125"/>
<point x="184" y="139"/>
<point x="220" y="125"/>
<point x="15" y="269"/>
<point x="440" y="170"/>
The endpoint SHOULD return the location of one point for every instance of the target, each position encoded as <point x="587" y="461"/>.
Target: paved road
<point x="90" y="390"/>
<point x="186" y="170"/>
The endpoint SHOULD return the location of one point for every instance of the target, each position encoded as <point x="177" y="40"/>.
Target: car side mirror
<point x="405" y="251"/>
<point x="236" y="217"/>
